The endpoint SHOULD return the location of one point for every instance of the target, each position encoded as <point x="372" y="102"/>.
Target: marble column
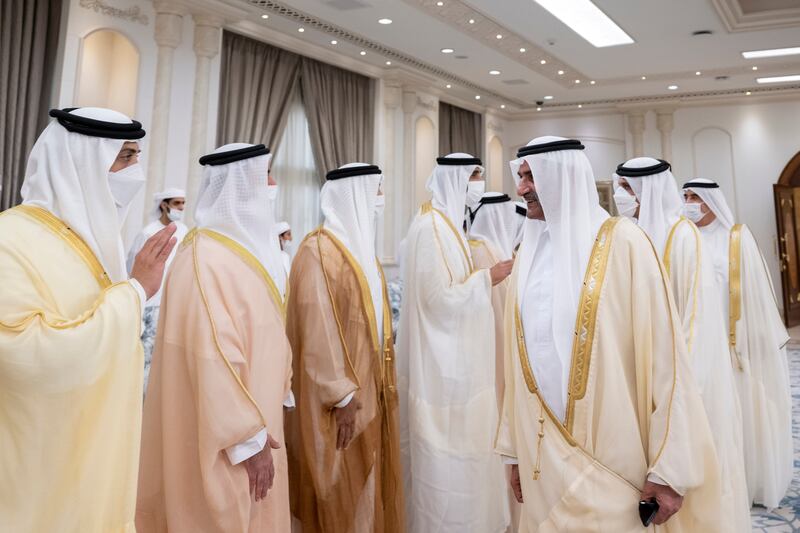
<point x="207" y="37"/>
<point x="636" y="128"/>
<point x="168" y="35"/>
<point x="393" y="184"/>
<point x="665" y="125"/>
<point x="408" y="190"/>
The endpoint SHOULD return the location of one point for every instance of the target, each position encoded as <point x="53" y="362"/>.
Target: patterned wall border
<point x="133" y="14"/>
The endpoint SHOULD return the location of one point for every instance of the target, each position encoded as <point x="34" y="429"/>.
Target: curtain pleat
<point x="459" y="130"/>
<point x="29" y="37"/>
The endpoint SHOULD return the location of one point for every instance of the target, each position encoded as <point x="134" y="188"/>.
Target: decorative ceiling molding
<point x="457" y="14"/>
<point x="736" y="20"/>
<point x="133" y="14"/>
<point x="283" y="10"/>
<point x="705" y="74"/>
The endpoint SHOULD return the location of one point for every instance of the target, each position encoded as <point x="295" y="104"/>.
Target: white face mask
<point x="272" y="192"/>
<point x="380" y="205"/>
<point x="475" y="190"/>
<point x="626" y="203"/>
<point x="175" y="215"/>
<point x="125" y="183"/>
<point x="693" y="212"/>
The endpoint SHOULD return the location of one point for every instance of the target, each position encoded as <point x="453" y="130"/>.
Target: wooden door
<point x="787" y="212"/>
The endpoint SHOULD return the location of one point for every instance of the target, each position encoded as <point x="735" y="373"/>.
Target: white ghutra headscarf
<point x="496" y="221"/>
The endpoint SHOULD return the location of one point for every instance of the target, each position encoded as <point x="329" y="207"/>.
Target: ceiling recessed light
<point x="472" y="21"/>
<point x="748" y="93"/>
<point x="779" y="79"/>
<point x="592" y="82"/>
<point x="560" y="72"/>
<point x="440" y="4"/>
<point x="775" y="52"/>
<point x="543" y="61"/>
<point x="384" y="21"/>
<point x="673" y="87"/>
<point x="644" y="77"/>
<point x="447" y="50"/>
<point x="577" y="81"/>
<point x="334" y="41"/>
<point x="580" y="106"/>
<point x="363" y="53"/>
<point x="538" y="109"/>
<point x="755" y="68"/>
<point x="548" y="97"/>
<point x="301" y="30"/>
<point x="388" y="62"/>
<point x="448" y="85"/>
<point x="522" y="50"/>
<point x="502" y="106"/>
<point x="264" y="16"/>
<point x="494" y="72"/>
<point x="498" y="36"/>
<point x="697" y="73"/>
<point x="588" y="21"/>
<point x="477" y="97"/>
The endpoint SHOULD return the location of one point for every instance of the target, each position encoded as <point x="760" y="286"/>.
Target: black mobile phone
<point x="647" y="511"/>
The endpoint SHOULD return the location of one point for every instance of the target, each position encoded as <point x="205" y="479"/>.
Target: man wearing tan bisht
<point x="343" y="437"/>
<point x="213" y="456"/>
<point x="601" y="410"/>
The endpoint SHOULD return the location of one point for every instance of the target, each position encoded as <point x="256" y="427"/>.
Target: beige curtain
<point x="460" y="130"/>
<point x="28" y="44"/>
<point x="339" y="107"/>
<point x="256" y="84"/>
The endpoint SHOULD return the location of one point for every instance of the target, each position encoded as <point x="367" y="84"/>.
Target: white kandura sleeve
<point x="345" y="401"/>
<point x="140" y="291"/>
<point x="247" y="449"/>
<point x="289" y="402"/>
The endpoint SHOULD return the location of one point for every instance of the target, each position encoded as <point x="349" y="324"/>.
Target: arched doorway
<point x="787" y="214"/>
<point x="108" y="72"/>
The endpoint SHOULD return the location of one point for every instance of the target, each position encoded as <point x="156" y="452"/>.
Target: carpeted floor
<point x="786" y="518"/>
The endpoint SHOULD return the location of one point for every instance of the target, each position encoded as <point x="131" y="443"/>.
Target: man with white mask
<point x="344" y="438"/>
<point x="446" y="366"/>
<point x="70" y="319"/>
<point x="495" y="226"/>
<point x="167" y="209"/>
<point x="213" y="457"/>
<point x="600" y="411"/>
<point x="284" y="233"/>
<point x="757" y="339"/>
<point x="691" y="280"/>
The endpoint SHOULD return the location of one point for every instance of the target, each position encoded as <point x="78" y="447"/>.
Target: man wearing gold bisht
<point x="213" y="457"/>
<point x="343" y="438"/>
<point x="71" y="361"/>
<point x="601" y="410"/>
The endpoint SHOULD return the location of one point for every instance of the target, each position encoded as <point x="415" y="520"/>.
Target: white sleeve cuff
<point x="140" y="291"/>
<point x="510" y="460"/>
<point x="345" y="401"/>
<point x="247" y="449"/>
<point x="656" y="479"/>
<point x="289" y="402"/>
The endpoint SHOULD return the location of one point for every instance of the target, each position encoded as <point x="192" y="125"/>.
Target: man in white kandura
<point x="446" y="366"/>
<point x="650" y="182"/>
<point x="167" y="209"/>
<point x="284" y="234"/>
<point x="757" y="339"/>
<point x="600" y="409"/>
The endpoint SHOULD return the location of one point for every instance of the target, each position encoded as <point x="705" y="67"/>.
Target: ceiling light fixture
<point x="384" y="21"/>
<point x="775" y="52"/>
<point x="522" y="50"/>
<point x="577" y="81"/>
<point x="673" y="87"/>
<point x="448" y="85"/>
<point x="494" y="72"/>
<point x="748" y="93"/>
<point x="363" y="53"/>
<point x="697" y="73"/>
<point x="592" y="82"/>
<point x="588" y="21"/>
<point x="499" y="36"/>
<point x="472" y="21"/>
<point x="440" y="4"/>
<point x="644" y="77"/>
<point x="755" y="68"/>
<point x="447" y="50"/>
<point x="477" y="97"/>
<point x="301" y="30"/>
<point x="543" y="61"/>
<point x="580" y="106"/>
<point x="264" y="16"/>
<point x="502" y="106"/>
<point x="334" y="41"/>
<point x="560" y="72"/>
<point x="779" y="79"/>
<point x="388" y="62"/>
<point x="548" y="97"/>
<point x="538" y="109"/>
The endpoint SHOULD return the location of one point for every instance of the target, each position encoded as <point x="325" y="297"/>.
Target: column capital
<point x="392" y="96"/>
<point x="665" y="120"/>
<point x="409" y="101"/>
<point x="168" y="29"/>
<point x="169" y="7"/>
<point x="636" y="122"/>
<point x="207" y="35"/>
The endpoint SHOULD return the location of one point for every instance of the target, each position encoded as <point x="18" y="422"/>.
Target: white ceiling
<point x="664" y="51"/>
